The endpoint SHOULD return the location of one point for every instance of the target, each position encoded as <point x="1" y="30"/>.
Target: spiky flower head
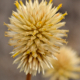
<point x="35" y="33"/>
<point x="66" y="67"/>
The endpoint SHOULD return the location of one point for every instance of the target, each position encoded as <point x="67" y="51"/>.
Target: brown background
<point x="9" y="71"/>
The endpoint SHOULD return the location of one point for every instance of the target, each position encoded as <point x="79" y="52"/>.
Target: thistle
<point x="66" y="67"/>
<point x="35" y="33"/>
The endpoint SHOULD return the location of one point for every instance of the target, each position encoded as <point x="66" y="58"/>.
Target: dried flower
<point x="35" y="34"/>
<point x="66" y="66"/>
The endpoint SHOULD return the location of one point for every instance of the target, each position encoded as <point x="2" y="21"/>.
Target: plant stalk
<point x="28" y="77"/>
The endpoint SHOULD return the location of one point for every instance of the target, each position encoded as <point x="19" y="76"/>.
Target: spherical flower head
<point x="35" y="33"/>
<point x="67" y="66"/>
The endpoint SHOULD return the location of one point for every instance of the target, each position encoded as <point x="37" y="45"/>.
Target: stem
<point x="57" y="78"/>
<point x="28" y="77"/>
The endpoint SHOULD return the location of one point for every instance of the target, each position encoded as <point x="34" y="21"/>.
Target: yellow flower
<point x="35" y="33"/>
<point x="66" y="66"/>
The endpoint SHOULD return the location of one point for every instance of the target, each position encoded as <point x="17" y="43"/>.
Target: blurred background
<point x="8" y="71"/>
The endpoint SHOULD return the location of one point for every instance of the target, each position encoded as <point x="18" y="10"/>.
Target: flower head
<point x="35" y="33"/>
<point x="66" y="66"/>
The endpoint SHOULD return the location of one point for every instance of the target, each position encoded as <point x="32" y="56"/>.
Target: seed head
<point x="66" y="67"/>
<point x="35" y="33"/>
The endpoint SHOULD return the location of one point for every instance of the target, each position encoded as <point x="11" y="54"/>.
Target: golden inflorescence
<point x="66" y="67"/>
<point x="35" y="33"/>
